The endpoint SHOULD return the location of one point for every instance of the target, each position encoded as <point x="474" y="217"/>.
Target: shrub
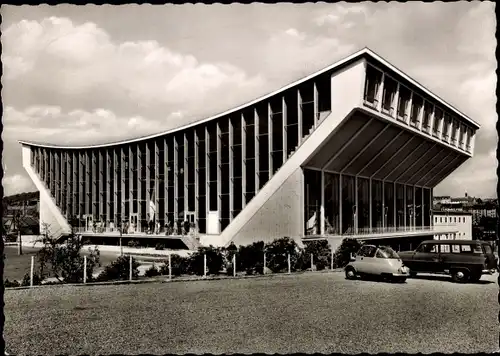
<point x="343" y="253"/>
<point x="179" y="266"/>
<point x="37" y="280"/>
<point x="152" y="272"/>
<point x="11" y="284"/>
<point x="133" y="243"/>
<point x="277" y="255"/>
<point x="119" y="270"/>
<point x="215" y="260"/>
<point x="250" y="258"/>
<point x="65" y="261"/>
<point x="320" y="249"/>
<point x="159" y="246"/>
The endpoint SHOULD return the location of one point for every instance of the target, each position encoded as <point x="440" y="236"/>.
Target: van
<point x="464" y="260"/>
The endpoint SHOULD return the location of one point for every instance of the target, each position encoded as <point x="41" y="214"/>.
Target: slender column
<point x="380" y="93"/>
<point x="243" y="161"/>
<point x="340" y="204"/>
<point x="115" y="187"/>
<point x="176" y="180"/>
<point x="423" y="206"/>
<point x="394" y="200"/>
<point x="109" y="198"/>
<point x="231" y="170"/>
<point x="315" y="104"/>
<point x="166" y="177"/>
<point x="322" y="211"/>
<point x="185" y="176"/>
<point x="196" y="176"/>
<point x="88" y="184"/>
<point x="270" y="138"/>
<point x="74" y="167"/>
<point x="384" y="215"/>
<point x="219" y="175"/>
<point x="139" y="188"/>
<point x="124" y="194"/>
<point x="81" y="185"/>
<point x="149" y="190"/>
<point x="299" y="116"/>
<point x="356" y="204"/>
<point x="257" y="158"/>
<point x="101" y="185"/>
<point x="207" y="175"/>
<point x="131" y="168"/>
<point x="284" y="116"/>
<point x="405" y="206"/>
<point x="370" y="212"/>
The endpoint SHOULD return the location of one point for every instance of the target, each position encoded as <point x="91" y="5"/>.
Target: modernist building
<point x="352" y="150"/>
<point x="460" y="221"/>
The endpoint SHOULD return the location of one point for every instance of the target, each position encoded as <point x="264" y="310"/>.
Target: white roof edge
<point x="359" y="53"/>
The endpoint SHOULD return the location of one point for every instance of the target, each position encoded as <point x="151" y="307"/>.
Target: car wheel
<point x="475" y="277"/>
<point x="350" y="273"/>
<point x="460" y="275"/>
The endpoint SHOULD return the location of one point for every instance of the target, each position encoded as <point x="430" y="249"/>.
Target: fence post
<point x="130" y="269"/>
<point x="31" y="270"/>
<point x="331" y="262"/>
<point x="85" y="269"/>
<point x="264" y="268"/>
<point x="312" y="262"/>
<point x="169" y="266"/>
<point x="234" y="265"/>
<point x="289" y="265"/>
<point x="121" y="247"/>
<point x="205" y="266"/>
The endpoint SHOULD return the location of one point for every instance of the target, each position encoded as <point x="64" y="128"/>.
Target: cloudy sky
<point x="93" y="74"/>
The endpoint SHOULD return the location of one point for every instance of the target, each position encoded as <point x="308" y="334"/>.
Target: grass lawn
<point x="305" y="313"/>
<point x="17" y="266"/>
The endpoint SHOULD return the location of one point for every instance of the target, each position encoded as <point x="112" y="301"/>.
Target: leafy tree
<point x="64" y="260"/>
<point x="250" y="258"/>
<point x="180" y="265"/>
<point x="322" y="255"/>
<point x="215" y="260"/>
<point x="343" y="254"/>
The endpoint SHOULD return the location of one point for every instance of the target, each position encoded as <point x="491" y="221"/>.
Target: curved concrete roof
<point x="357" y="55"/>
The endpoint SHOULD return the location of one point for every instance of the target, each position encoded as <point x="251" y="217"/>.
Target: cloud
<point x="143" y="77"/>
<point x="17" y="183"/>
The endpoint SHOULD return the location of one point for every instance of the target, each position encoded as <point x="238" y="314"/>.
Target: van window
<point x="427" y="248"/>
<point x="466" y="248"/>
<point x="455" y="248"/>
<point x="444" y="248"/>
<point x="487" y="249"/>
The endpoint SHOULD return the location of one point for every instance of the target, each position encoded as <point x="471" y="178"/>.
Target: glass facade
<point x="356" y="205"/>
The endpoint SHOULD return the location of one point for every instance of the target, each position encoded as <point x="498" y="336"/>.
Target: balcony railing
<point x="113" y="231"/>
<point x="394" y="230"/>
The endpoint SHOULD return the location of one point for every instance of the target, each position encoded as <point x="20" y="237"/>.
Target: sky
<point x="96" y="74"/>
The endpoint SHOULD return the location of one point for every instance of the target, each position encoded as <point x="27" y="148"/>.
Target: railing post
<point x="312" y="263"/>
<point x="169" y="266"/>
<point x="205" y="266"/>
<point x="130" y="268"/>
<point x="31" y="270"/>
<point x="85" y="269"/>
<point x="234" y="265"/>
<point x="264" y="268"/>
<point x="289" y="265"/>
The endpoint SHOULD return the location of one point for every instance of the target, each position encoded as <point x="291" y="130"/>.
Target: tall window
<point x="400" y="205"/>
<point x="418" y="207"/>
<point x="372" y="85"/>
<point x="410" y="208"/>
<point x="312" y="192"/>
<point x="332" y="203"/>
<point x="377" y="212"/>
<point x="363" y="205"/>
<point x="348" y="204"/>
<point x="389" y="211"/>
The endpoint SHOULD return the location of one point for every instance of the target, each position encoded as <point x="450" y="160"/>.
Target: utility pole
<point x="17" y="221"/>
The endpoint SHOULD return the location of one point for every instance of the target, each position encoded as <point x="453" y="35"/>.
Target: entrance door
<point x="89" y="222"/>
<point x="134" y="219"/>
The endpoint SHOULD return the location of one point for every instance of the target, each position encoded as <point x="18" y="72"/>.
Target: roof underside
<point x="369" y="147"/>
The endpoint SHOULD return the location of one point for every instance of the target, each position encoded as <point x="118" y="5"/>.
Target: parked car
<point x="464" y="260"/>
<point x="380" y="261"/>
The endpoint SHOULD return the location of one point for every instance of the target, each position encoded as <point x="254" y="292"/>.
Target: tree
<point x="64" y="260"/>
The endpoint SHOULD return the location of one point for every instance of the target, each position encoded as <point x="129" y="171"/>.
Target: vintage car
<point x="380" y="261"/>
<point x="464" y="260"/>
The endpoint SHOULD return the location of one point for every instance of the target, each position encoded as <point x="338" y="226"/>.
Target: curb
<point x="165" y="279"/>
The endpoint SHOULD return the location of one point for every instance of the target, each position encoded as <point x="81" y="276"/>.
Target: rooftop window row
<point x="395" y="99"/>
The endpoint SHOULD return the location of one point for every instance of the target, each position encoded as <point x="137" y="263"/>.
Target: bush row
<point x="66" y="262"/>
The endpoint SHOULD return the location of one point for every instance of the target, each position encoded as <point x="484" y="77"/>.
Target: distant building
<point x="445" y="199"/>
<point x="461" y="222"/>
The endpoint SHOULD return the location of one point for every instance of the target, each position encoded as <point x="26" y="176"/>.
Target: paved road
<point x="312" y="312"/>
